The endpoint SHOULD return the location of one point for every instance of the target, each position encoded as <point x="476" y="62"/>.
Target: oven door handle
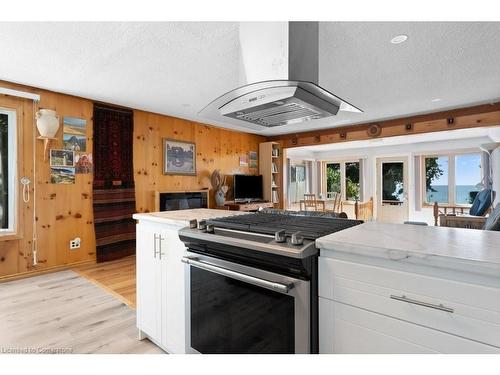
<point x="279" y="287"/>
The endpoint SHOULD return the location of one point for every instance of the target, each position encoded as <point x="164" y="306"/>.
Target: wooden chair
<point x="336" y="199"/>
<point x="310" y="201"/>
<point x="364" y="210"/>
<point x="457" y="217"/>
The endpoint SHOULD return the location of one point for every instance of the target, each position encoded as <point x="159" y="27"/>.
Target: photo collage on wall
<point x="73" y="158"/>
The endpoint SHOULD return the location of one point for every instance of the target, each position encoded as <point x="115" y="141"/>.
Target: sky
<point x="468" y="171"/>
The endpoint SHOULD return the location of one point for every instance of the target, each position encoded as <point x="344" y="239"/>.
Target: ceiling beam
<point x="461" y="118"/>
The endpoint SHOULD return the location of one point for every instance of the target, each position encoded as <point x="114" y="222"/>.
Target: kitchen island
<point x="395" y="288"/>
<point x="162" y="281"/>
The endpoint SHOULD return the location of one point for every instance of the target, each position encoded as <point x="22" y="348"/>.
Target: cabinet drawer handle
<point x="420" y="303"/>
<point x="154" y="246"/>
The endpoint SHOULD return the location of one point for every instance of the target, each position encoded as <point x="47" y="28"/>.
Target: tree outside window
<point x="333" y="178"/>
<point x="343" y="178"/>
<point x="352" y="181"/>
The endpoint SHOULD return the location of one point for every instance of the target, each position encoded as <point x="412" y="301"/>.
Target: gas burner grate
<point x="268" y="223"/>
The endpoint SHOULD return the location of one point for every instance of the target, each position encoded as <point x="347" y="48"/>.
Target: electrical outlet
<point x="74" y="243"/>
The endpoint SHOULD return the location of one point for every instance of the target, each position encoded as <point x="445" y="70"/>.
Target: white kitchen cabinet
<point x="161" y="281"/>
<point x="374" y="309"/>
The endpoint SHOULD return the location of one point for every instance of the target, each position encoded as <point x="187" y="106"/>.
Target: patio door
<point x="392" y="190"/>
<point x="297" y="183"/>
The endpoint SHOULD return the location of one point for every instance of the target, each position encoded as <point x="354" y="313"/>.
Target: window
<point x="7" y="169"/>
<point x="436" y="179"/>
<point x="352" y="181"/>
<point x="467" y="176"/>
<point x="333" y="178"/>
<point x="343" y="178"/>
<point x="451" y="179"/>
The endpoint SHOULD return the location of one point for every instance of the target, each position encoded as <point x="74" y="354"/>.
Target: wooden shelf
<point x="270" y="167"/>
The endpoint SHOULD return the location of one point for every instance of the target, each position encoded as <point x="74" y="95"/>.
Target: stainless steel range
<point x="254" y="285"/>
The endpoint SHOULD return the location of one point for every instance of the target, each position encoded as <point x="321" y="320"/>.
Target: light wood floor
<point x="63" y="312"/>
<point x="117" y="277"/>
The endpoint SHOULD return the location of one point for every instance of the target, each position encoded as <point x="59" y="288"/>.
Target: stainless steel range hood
<point x="279" y="72"/>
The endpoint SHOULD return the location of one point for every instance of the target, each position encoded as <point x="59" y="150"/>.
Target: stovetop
<point x="309" y="227"/>
<point x="278" y="234"/>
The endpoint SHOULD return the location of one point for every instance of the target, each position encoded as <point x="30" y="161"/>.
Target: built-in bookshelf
<point x="270" y="169"/>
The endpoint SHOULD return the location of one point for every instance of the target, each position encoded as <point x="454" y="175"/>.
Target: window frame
<point x="451" y="176"/>
<point x="12" y="232"/>
<point x="343" y="189"/>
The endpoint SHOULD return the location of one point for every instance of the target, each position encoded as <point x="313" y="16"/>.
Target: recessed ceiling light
<point x="186" y="105"/>
<point x="436" y="100"/>
<point x="399" y="39"/>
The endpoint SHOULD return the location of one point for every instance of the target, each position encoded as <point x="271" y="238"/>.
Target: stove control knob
<point x="297" y="239"/>
<point x="210" y="228"/>
<point x="202" y="225"/>
<point x="280" y="236"/>
<point x="193" y="224"/>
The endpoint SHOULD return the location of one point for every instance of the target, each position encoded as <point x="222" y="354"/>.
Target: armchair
<point x="456" y="216"/>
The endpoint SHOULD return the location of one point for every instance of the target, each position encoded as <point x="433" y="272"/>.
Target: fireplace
<point x="181" y="200"/>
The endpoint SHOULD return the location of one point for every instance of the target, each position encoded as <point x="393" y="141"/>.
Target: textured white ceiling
<point x="178" y="68"/>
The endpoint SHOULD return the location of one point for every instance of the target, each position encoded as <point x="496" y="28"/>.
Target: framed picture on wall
<point x="179" y="157"/>
<point x="62" y="158"/>
<point x="74" y="134"/>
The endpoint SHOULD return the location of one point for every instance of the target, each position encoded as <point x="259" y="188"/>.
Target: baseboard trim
<point x="27" y="274"/>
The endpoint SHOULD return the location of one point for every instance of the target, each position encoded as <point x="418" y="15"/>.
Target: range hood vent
<point x="281" y="60"/>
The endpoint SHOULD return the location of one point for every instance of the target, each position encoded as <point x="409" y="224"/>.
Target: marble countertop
<point x="182" y="217"/>
<point x="402" y="241"/>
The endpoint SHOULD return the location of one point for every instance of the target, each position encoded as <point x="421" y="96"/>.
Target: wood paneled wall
<point x="215" y="149"/>
<point x="65" y="211"/>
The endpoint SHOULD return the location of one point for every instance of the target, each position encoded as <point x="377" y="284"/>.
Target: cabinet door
<point x="173" y="294"/>
<point x="148" y="282"/>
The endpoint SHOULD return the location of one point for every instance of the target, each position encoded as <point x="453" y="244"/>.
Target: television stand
<point x="248" y="206"/>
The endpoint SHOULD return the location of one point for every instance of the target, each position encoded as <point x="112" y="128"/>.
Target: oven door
<point x="240" y="309"/>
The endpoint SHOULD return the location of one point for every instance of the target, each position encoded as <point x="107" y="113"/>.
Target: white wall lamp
<point x="47" y="123"/>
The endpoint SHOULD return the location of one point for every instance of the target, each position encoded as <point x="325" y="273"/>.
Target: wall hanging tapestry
<point x="114" y="193"/>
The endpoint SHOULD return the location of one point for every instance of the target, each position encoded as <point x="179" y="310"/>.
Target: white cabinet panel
<point x="161" y="285"/>
<point x="473" y="295"/>
<point x="148" y="283"/>
<point x="339" y="281"/>
<point x="174" y="308"/>
<point x="347" y="329"/>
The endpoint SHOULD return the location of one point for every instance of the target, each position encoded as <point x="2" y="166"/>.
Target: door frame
<point x="378" y="180"/>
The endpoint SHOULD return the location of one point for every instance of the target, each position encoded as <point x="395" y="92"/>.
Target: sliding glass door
<point x="297" y="182"/>
<point x="342" y="178"/>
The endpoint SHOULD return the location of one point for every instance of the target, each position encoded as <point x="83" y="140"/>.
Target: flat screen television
<point x="247" y="188"/>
